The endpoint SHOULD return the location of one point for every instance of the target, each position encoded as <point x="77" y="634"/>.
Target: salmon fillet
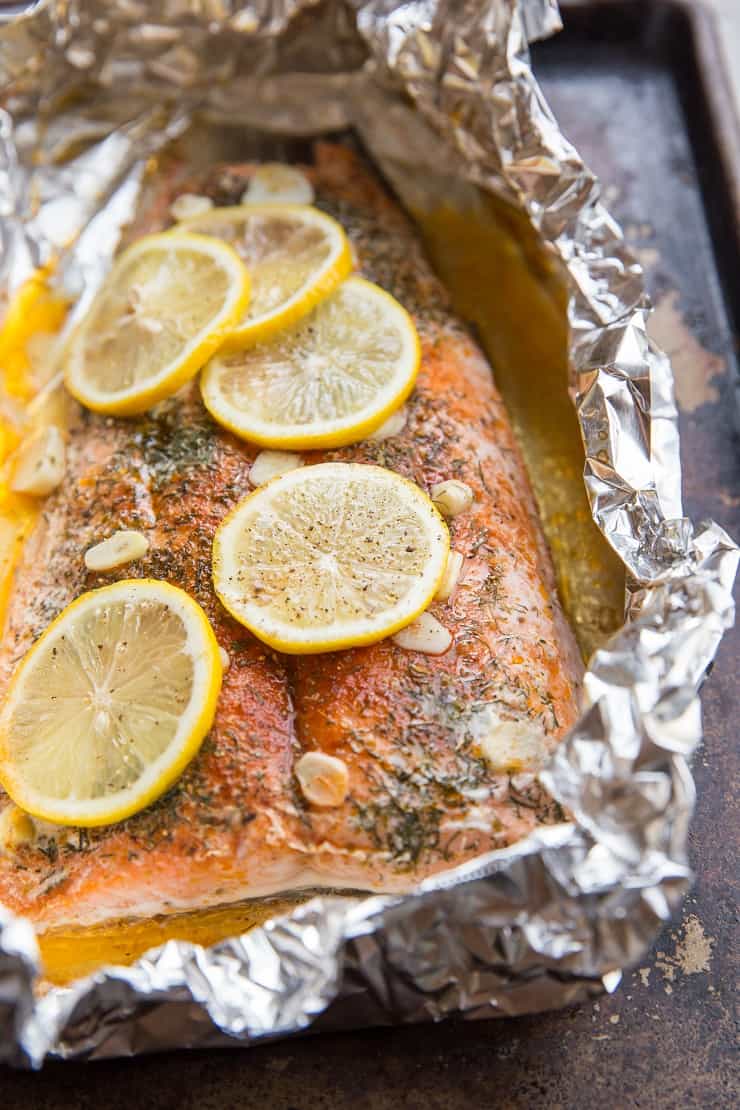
<point x="410" y="727"/>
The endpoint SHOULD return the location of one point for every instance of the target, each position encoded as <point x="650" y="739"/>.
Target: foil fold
<point x="553" y="919"/>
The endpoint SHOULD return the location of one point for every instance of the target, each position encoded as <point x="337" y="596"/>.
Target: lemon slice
<point x="295" y="254"/>
<point x="110" y="704"/>
<point x="331" y="379"/>
<point x="165" y="308"/>
<point x="330" y="556"/>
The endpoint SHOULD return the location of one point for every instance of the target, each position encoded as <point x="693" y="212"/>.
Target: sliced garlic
<point x="122" y="547"/>
<point x="425" y="634"/>
<point x="189" y="204"/>
<point x="41" y="349"/>
<point x="16" y="828"/>
<point x="39" y="466"/>
<point x="224" y="657"/>
<point x="452" y="497"/>
<point x="276" y="183"/>
<point x="323" y="779"/>
<point x="271" y="464"/>
<point x="507" y="746"/>
<point x="393" y="426"/>
<point x="450" y="576"/>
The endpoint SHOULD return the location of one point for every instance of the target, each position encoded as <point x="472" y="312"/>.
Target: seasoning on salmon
<point x="440" y="750"/>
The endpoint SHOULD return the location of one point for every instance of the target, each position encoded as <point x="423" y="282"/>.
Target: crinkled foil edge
<point x="553" y="919"/>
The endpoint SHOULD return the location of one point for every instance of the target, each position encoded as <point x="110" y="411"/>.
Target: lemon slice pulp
<point x="331" y="379"/>
<point x="110" y="704"/>
<point x="330" y="556"/>
<point x="166" y="306"/>
<point x="296" y="255"/>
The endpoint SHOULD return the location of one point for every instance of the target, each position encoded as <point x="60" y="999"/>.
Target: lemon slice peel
<point x="61" y="758"/>
<point x="331" y="379"/>
<point x="127" y="354"/>
<point x="296" y="256"/>
<point x="330" y="556"/>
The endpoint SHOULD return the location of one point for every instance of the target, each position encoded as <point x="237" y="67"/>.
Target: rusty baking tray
<point x="619" y="70"/>
<point x="626" y="71"/>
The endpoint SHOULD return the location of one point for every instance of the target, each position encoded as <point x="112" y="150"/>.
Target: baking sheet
<point x="408" y="983"/>
<point x="644" y="1040"/>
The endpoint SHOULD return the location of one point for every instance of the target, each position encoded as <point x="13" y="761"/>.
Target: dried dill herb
<point x="171" y="446"/>
<point x="406" y="833"/>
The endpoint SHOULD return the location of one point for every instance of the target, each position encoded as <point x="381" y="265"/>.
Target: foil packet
<point x="90" y="90"/>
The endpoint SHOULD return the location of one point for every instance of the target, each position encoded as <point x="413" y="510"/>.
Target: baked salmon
<point x="442" y="751"/>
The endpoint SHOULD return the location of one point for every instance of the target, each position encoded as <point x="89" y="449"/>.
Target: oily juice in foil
<point x="514" y="294"/>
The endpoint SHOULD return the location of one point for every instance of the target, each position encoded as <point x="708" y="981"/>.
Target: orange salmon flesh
<point x="408" y="725"/>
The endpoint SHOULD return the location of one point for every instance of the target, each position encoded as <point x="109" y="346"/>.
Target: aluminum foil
<point x="91" y="89"/>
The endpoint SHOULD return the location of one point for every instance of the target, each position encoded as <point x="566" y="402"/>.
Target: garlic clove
<point x="452" y="497"/>
<point x="507" y="746"/>
<point x="323" y="779"/>
<point x="39" y="463"/>
<point x="275" y="183"/>
<point x="393" y="426"/>
<point x="425" y="634"/>
<point x="449" y="578"/>
<point x="224" y="657"/>
<point x="122" y="547"/>
<point x="17" y="828"/>
<point x="42" y="349"/>
<point x="189" y="204"/>
<point x="271" y="464"/>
